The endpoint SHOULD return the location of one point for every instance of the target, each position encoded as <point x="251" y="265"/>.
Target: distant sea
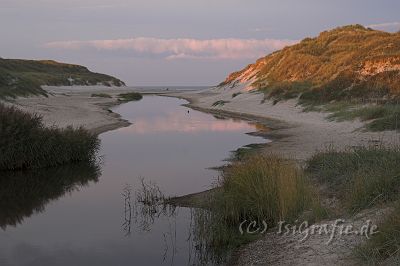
<point x="168" y="88"/>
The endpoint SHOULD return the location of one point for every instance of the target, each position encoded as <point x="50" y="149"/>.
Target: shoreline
<point x="295" y="134"/>
<point x="301" y="135"/>
<point x="67" y="106"/>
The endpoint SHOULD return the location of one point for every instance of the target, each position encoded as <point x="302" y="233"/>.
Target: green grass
<point x="268" y="188"/>
<point x="25" y="143"/>
<point x="264" y="188"/>
<point x="101" y="95"/>
<point x="378" y="117"/>
<point x="385" y="245"/>
<point x="285" y="90"/>
<point x="360" y="177"/>
<point x="245" y="152"/>
<point x="219" y="103"/>
<point x="25" y="77"/>
<point x="131" y="96"/>
<point x="257" y="188"/>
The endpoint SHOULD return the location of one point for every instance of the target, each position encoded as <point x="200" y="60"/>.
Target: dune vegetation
<point x="130" y="96"/>
<point x="384" y="246"/>
<point x="25" y="143"/>
<point x="259" y="188"/>
<point x="25" y="77"/>
<point x="354" y="65"/>
<point x="101" y="95"/>
<point x="350" y="62"/>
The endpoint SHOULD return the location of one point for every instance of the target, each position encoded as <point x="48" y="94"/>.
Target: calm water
<point x="77" y="215"/>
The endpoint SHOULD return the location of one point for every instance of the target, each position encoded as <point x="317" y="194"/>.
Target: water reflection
<point x="172" y="122"/>
<point x="149" y="205"/>
<point x="25" y="193"/>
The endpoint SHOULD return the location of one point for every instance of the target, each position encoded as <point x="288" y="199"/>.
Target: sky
<point x="174" y="42"/>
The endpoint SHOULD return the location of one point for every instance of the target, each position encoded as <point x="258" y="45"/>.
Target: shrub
<point x="25" y="142"/>
<point x="131" y="96"/>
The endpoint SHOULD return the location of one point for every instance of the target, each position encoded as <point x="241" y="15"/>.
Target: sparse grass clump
<point x="101" y="95"/>
<point x="131" y="96"/>
<point x="25" y="143"/>
<point x="360" y="177"/>
<point x="385" y="245"/>
<point x="236" y="94"/>
<point x="379" y="117"/>
<point x="285" y="90"/>
<point x="219" y="103"/>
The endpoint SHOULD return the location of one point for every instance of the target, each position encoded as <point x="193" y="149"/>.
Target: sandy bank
<point x="300" y="134"/>
<point x="74" y="106"/>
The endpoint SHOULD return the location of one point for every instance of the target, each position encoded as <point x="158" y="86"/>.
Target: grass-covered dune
<point x="25" y="143"/>
<point x="346" y="63"/>
<point x="25" y="77"/>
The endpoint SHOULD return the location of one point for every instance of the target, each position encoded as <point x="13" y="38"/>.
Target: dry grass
<point x="260" y="189"/>
<point x="264" y="188"/>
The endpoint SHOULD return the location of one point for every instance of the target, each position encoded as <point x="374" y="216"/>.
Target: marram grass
<point x="385" y="245"/>
<point x="25" y="143"/>
<point x="360" y="177"/>
<point x="266" y="188"/>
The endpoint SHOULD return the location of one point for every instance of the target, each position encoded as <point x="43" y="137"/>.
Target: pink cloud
<point x="181" y="48"/>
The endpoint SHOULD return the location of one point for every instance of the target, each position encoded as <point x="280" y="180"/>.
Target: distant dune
<point x="25" y="77"/>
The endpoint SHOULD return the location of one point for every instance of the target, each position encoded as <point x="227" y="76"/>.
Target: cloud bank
<point x="181" y="48"/>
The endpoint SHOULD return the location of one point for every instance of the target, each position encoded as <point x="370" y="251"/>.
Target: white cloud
<point x="386" y="26"/>
<point x="181" y="48"/>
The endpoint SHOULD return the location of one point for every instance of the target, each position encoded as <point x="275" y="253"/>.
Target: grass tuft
<point x="260" y="189"/>
<point x="101" y="95"/>
<point x="219" y="103"/>
<point x="131" y="96"/>
<point x="264" y="188"/>
<point x="236" y="94"/>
